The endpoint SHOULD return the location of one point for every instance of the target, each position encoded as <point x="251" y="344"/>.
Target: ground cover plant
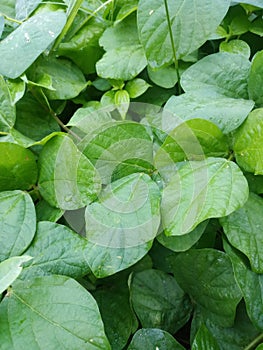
<point x="131" y="165"/>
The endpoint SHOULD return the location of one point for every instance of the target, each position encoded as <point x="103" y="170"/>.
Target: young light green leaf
<point x="207" y="276"/>
<point x="184" y="242"/>
<point x="243" y="230"/>
<point x="136" y="87"/>
<point x="158" y="301"/>
<point x="21" y="48"/>
<point x="123" y="63"/>
<point x="18" y="167"/>
<point x="17" y="223"/>
<point x="160" y="20"/>
<point x="67" y="79"/>
<point x="204" y="340"/>
<point x="7" y="112"/>
<point x="236" y="46"/>
<point x="225" y="112"/>
<point x="10" y="269"/>
<point x="213" y="187"/>
<point x="52" y="257"/>
<point x="255" y="81"/>
<point x="115" y="144"/>
<point x="248" y="145"/>
<point x="67" y="179"/>
<point x="46" y="312"/>
<point x="122" y="102"/>
<point x="165" y="77"/>
<point x="148" y="338"/>
<point x="222" y="72"/>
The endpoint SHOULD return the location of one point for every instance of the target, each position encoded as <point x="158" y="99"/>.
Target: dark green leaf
<point x="46" y="212"/>
<point x="204" y="340"/>
<point x="158" y="301"/>
<point x="255" y="81"/>
<point x="207" y="276"/>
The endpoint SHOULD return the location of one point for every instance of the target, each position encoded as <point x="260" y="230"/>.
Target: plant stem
<point x="68" y="24"/>
<point x="255" y="342"/>
<point x="10" y="19"/>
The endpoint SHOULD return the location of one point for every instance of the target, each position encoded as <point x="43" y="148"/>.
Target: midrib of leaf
<point x="47" y="319"/>
<point x="171" y="34"/>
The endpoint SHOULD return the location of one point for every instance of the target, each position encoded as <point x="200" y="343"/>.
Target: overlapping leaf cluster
<point x="131" y="142"/>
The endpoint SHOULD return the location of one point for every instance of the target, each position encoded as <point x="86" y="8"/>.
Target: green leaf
<point x="199" y="190"/>
<point x="128" y="7"/>
<point x="256" y="26"/>
<point x="120" y="227"/>
<point x="52" y="257"/>
<point x="207" y="276"/>
<point x="236" y="21"/>
<point x="17" y="223"/>
<point x="152" y="339"/>
<point x="255" y="81"/>
<point x="25" y="7"/>
<point x="123" y="63"/>
<point x="245" y="279"/>
<point x="165" y="77"/>
<point x="115" y="144"/>
<point x="7" y="112"/>
<point x="21" y="48"/>
<point x="8" y="8"/>
<point x="243" y="230"/>
<point x="184" y="242"/>
<point x="158" y="301"/>
<point x="255" y="183"/>
<point x="83" y="48"/>
<point x="136" y="87"/>
<point x="67" y="179"/>
<point x="248" y="143"/>
<point x="46" y="212"/>
<point x="237" y="47"/>
<point x="17" y="88"/>
<point x="227" y="113"/>
<point x="114" y="300"/>
<point x="67" y="79"/>
<point x="155" y="30"/>
<point x="204" y="340"/>
<point x="10" y="269"/>
<point x="194" y="139"/>
<point x="18" y="168"/>
<point x="122" y="101"/>
<point x="223" y="73"/>
<point x="46" y="312"/>
<point x="33" y="119"/>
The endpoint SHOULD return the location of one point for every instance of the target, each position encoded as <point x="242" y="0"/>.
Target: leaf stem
<point x="255" y="342"/>
<point x="72" y="14"/>
<point x="10" y="19"/>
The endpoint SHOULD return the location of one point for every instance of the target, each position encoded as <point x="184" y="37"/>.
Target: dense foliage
<point x="131" y="163"/>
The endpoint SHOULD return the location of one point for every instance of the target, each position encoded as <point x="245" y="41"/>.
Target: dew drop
<point x="151" y="12"/>
<point x="27" y="37"/>
<point x="52" y="34"/>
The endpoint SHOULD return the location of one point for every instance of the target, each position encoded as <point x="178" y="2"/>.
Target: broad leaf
<point x="224" y="73"/>
<point x="153" y="339"/>
<point x="225" y="112"/>
<point x="114" y="300"/>
<point x="10" y="269"/>
<point x="184" y="242"/>
<point x="25" y="7"/>
<point x="207" y="276"/>
<point x="7" y="112"/>
<point x="21" y="48"/>
<point x="246" y="279"/>
<point x="67" y="179"/>
<point x="115" y="145"/>
<point x="255" y="81"/>
<point x="243" y="229"/>
<point x="236" y="46"/>
<point x="46" y="312"/>
<point x="136" y="87"/>
<point x="46" y="212"/>
<point x="214" y="187"/>
<point x="67" y="80"/>
<point x="17" y="88"/>
<point x="17" y="223"/>
<point x="248" y="146"/>
<point x="155" y="30"/>
<point x="158" y="301"/>
<point x="18" y="168"/>
<point x="51" y="257"/>
<point x="165" y="77"/>
<point x="8" y="8"/>
<point x="204" y="340"/>
<point x="123" y="63"/>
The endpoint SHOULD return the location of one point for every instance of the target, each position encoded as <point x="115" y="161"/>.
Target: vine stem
<point x="68" y="24"/>
<point x="172" y="43"/>
<point x="255" y="342"/>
